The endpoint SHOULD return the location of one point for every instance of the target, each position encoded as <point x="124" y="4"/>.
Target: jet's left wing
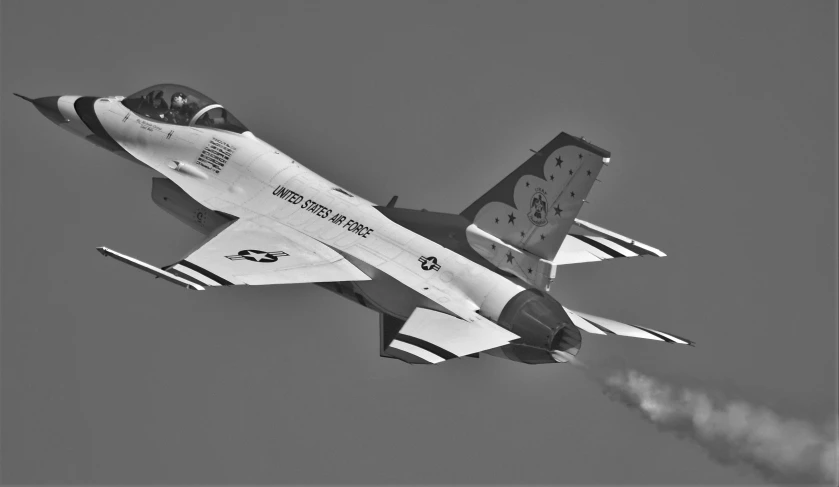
<point x="250" y="253"/>
<point x="246" y="252"/>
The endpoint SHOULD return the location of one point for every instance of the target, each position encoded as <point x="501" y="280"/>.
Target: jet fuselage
<point x="243" y="176"/>
<point x="473" y="282"/>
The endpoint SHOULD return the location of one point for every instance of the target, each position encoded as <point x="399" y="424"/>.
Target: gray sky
<point x="721" y="119"/>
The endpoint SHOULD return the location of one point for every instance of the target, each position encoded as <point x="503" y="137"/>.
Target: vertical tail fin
<point x="534" y="207"/>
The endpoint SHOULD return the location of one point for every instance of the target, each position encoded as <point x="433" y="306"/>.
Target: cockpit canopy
<point x="179" y="105"/>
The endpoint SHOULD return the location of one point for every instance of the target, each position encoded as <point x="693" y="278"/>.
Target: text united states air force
<point x="313" y="206"/>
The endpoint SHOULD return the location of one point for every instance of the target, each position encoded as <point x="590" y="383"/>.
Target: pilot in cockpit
<point x="180" y="111"/>
<point x="153" y="105"/>
<point x="186" y="106"/>
<point x="158" y="103"/>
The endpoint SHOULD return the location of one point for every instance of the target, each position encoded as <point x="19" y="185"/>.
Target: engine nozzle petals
<point x="543" y="326"/>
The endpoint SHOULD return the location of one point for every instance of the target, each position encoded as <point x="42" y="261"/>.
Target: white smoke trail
<point x="781" y="450"/>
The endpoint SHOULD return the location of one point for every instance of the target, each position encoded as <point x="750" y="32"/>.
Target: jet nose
<point x="48" y="106"/>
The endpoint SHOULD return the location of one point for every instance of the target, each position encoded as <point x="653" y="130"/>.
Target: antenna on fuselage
<point x="392" y="202"/>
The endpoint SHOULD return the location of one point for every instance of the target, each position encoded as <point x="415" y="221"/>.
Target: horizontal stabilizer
<point x="587" y="242"/>
<point x="149" y="268"/>
<point x="604" y="326"/>
<point x="430" y="337"/>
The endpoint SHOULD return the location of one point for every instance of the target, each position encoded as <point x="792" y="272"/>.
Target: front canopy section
<point x="180" y="105"/>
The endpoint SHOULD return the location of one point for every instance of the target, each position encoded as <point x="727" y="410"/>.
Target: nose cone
<point x="48" y="106"/>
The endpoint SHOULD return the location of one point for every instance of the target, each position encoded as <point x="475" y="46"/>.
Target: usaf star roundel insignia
<point x="429" y="263"/>
<point x="257" y="256"/>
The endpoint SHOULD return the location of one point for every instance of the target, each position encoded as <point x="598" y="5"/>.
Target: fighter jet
<point x="444" y="285"/>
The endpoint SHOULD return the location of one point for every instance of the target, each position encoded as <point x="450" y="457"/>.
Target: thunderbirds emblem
<point x="257" y="256"/>
<point x="538" y="208"/>
<point x="200" y="217"/>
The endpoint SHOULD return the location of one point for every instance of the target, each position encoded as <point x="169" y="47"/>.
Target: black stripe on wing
<point x="634" y="248"/>
<point x="206" y="273"/>
<point x="600" y="327"/>
<point x="599" y="246"/>
<point x="427" y="346"/>
<point x="185" y="276"/>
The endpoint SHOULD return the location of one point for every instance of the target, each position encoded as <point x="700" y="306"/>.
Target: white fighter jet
<point x="444" y="285"/>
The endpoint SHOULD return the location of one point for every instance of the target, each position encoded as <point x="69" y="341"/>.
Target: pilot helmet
<point x="178" y="100"/>
<point x="156" y="97"/>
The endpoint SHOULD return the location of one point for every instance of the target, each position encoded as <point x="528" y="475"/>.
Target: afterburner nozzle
<point x="563" y="357"/>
